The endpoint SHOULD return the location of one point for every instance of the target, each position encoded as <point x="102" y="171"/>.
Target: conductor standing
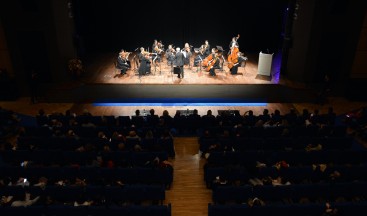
<point x="179" y="59"/>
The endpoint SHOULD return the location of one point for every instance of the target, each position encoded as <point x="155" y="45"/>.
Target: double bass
<point x="232" y="57"/>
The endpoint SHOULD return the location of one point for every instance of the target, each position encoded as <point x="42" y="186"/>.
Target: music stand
<point x="197" y="51"/>
<point x="220" y="48"/>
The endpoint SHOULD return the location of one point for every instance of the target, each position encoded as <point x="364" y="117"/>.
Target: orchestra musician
<point x="179" y="62"/>
<point x="212" y="62"/>
<point x="157" y="51"/>
<point x="240" y="59"/>
<point x="206" y="49"/>
<point x="170" y="55"/>
<point x="187" y="54"/>
<point x="144" y="58"/>
<point x="155" y="43"/>
<point x="123" y="62"/>
<point x="234" y="42"/>
<point x="199" y="56"/>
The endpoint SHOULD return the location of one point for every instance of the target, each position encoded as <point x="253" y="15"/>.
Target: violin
<point x="158" y="50"/>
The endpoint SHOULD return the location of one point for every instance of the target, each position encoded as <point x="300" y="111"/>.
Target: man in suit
<point x="179" y="60"/>
<point x="122" y="62"/>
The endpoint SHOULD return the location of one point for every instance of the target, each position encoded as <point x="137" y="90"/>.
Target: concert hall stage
<point x="98" y="85"/>
<point x="100" y="69"/>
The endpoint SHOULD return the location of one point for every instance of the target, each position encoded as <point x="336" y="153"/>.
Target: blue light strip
<point x="180" y="104"/>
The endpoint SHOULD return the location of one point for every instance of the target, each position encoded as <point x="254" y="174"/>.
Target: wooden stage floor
<point x="100" y="69"/>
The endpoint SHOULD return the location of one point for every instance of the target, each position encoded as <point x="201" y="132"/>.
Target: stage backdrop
<point x="111" y="25"/>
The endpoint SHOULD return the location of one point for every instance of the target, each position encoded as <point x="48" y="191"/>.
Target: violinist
<point x="144" y="67"/>
<point x="157" y="50"/>
<point x="206" y="48"/>
<point x="155" y="44"/>
<point x="170" y="55"/>
<point x="200" y="56"/>
<point x="187" y="54"/>
<point x="122" y="62"/>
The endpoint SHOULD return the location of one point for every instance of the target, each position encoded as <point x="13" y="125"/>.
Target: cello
<point x="207" y="60"/>
<point x="232" y="57"/>
<point x="212" y="62"/>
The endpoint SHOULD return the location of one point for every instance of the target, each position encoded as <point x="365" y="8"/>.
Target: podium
<point x="265" y="61"/>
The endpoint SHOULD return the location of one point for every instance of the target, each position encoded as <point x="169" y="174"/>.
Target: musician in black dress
<point x="206" y="47"/>
<point x="155" y="43"/>
<point x="157" y="51"/>
<point x="179" y="62"/>
<point x="122" y="62"/>
<point x="144" y="59"/>
<point x="187" y="54"/>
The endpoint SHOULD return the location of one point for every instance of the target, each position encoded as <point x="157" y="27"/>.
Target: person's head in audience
<point x="106" y="148"/>
<point x="335" y="176"/>
<point x="71" y="133"/>
<point x="149" y="134"/>
<point x="259" y="123"/>
<point x="329" y="210"/>
<point x="102" y="135"/>
<point x="209" y="113"/>
<point x="152" y="112"/>
<point x="137" y="148"/>
<point x="137" y="112"/>
<point x="165" y="113"/>
<point x="80" y="182"/>
<point x="132" y="134"/>
<point x="255" y="202"/>
<point x="117" y="136"/>
<point x="178" y="113"/>
<point x="237" y="113"/>
<point x="121" y="146"/>
<point x="249" y="113"/>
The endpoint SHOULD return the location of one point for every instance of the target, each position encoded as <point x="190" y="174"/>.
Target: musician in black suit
<point x="122" y="62"/>
<point x="240" y="59"/>
<point x="179" y="62"/>
<point x="170" y="55"/>
<point x="144" y="67"/>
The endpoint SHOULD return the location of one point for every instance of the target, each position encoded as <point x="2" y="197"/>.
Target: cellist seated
<point x="212" y="62"/>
